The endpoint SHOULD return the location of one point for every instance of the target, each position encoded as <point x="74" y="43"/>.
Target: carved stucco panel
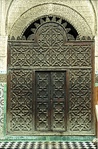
<point x="3" y="64"/>
<point x="69" y="14"/>
<point x="84" y="8"/>
<point x="1" y="107"/>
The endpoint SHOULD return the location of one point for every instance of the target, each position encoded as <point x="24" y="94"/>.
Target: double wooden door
<point x="50" y="100"/>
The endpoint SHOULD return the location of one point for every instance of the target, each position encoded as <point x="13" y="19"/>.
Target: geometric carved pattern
<point x="50" y="30"/>
<point x="1" y="107"/>
<point x="59" y="56"/>
<point x="80" y="100"/>
<point x="42" y="99"/>
<point x="21" y="56"/>
<point x="36" y="56"/>
<point x="58" y="116"/>
<point x="58" y="101"/>
<point x="39" y="69"/>
<point x="50" y="35"/>
<point x="21" y="101"/>
<point x="21" y="80"/>
<point x="50" y="101"/>
<point x="80" y="80"/>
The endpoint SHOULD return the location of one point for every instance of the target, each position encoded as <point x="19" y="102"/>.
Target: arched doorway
<point x="50" y="80"/>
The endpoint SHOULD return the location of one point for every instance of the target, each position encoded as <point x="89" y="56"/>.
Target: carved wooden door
<point x="37" y="67"/>
<point x="50" y="101"/>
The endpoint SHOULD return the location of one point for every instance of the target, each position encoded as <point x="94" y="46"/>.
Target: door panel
<point x="42" y="100"/>
<point x="58" y="100"/>
<point x="50" y="101"/>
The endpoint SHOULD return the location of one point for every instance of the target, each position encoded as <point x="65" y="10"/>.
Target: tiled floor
<point x="47" y="145"/>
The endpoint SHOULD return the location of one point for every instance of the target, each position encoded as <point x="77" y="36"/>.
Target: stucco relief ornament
<point x="34" y="31"/>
